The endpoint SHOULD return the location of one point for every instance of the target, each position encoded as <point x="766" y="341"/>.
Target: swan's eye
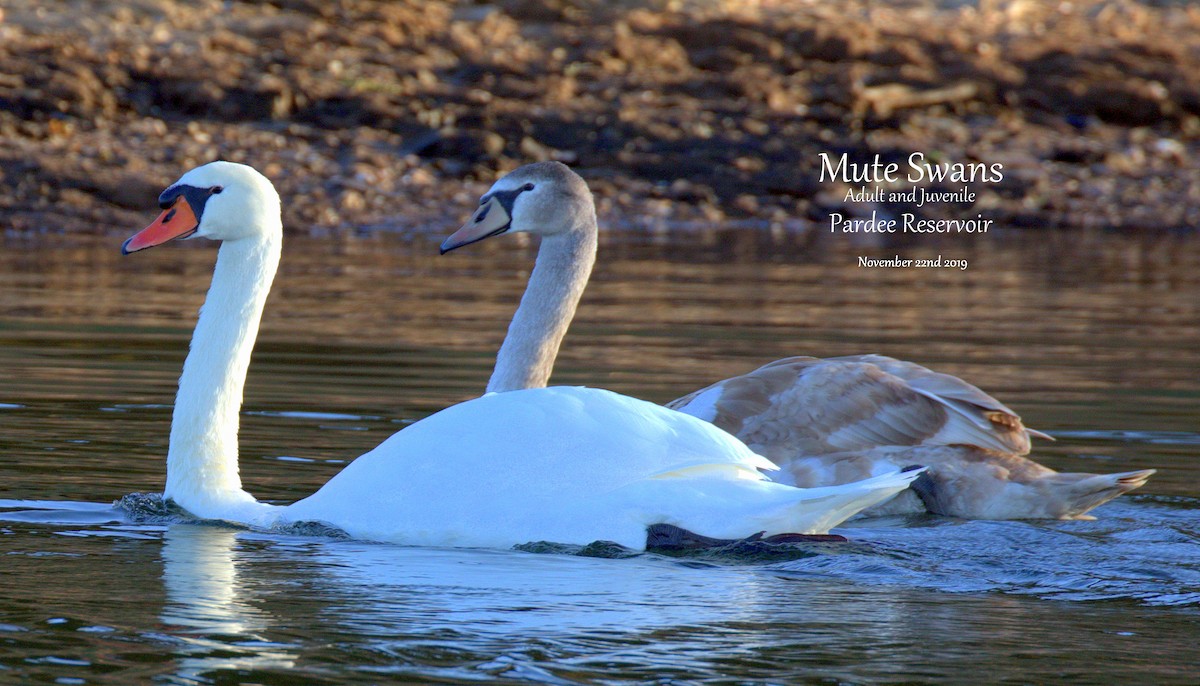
<point x="215" y="189"/>
<point x="527" y="187"/>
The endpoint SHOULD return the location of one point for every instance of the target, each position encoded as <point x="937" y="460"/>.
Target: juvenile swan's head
<point x="544" y="198"/>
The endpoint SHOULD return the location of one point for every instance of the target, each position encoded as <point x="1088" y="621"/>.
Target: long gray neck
<point x="564" y="263"/>
<point x="202" y="459"/>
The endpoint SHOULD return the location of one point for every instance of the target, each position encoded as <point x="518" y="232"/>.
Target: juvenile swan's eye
<point x="527" y="187"/>
<point x="215" y="189"/>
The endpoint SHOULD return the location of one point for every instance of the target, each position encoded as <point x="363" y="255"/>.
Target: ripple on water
<point x="151" y="508"/>
<point x="318" y="416"/>
<point x="1148" y="437"/>
<point x="1143" y="551"/>
<point x="58" y="512"/>
<point x="1133" y="556"/>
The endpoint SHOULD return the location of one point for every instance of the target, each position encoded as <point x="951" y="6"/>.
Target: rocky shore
<point x="369" y="113"/>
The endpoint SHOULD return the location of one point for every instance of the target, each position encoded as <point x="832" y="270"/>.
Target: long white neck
<point x="202" y="460"/>
<point x="564" y="263"/>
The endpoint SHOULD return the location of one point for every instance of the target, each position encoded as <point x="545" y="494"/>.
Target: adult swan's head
<point x="238" y="206"/>
<point x="222" y="201"/>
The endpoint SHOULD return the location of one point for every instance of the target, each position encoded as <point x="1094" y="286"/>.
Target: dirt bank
<point x="365" y="111"/>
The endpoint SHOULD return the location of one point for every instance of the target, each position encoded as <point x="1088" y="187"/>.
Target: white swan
<point x="568" y="465"/>
<point x="825" y="421"/>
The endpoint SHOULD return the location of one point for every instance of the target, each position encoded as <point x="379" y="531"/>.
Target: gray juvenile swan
<point x="825" y="421"/>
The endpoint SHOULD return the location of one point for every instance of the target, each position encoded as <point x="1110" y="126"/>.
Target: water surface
<point x="1091" y="338"/>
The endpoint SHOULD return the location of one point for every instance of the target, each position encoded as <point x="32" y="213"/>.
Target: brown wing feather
<point x="810" y="406"/>
<point x="1002" y="426"/>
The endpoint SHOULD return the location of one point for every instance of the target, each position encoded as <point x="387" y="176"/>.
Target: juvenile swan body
<point x="826" y="422"/>
<point x="567" y="465"/>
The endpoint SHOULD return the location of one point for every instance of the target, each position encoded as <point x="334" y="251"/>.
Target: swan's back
<point x="549" y="464"/>
<point x="564" y="437"/>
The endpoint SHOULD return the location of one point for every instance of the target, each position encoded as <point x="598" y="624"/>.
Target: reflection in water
<point x="209" y="608"/>
<point x="248" y="603"/>
<point x="242" y="605"/>
<point x="201" y="582"/>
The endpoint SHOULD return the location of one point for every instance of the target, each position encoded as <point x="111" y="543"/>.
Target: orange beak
<point x="177" y="221"/>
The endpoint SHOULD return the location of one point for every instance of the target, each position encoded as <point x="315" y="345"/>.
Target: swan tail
<point x="1039" y="434"/>
<point x="728" y="506"/>
<point x="1092" y="490"/>
<point x="817" y="510"/>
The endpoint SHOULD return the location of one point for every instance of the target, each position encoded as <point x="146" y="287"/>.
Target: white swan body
<point x="566" y="465"/>
<point x="827" y="422"/>
<point x="569" y="465"/>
